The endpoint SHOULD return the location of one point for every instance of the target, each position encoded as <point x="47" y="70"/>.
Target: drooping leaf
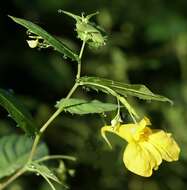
<point x="18" y="112"/>
<point x="137" y="90"/>
<point x="80" y="106"/>
<point x="55" y="43"/>
<point x="42" y="170"/>
<point x="14" y="152"/>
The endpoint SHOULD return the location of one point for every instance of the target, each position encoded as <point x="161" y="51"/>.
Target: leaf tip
<point x="171" y="102"/>
<point x="11" y="17"/>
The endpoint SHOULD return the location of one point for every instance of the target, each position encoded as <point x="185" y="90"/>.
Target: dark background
<point x="147" y="43"/>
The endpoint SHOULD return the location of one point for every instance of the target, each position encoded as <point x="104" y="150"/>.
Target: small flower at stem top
<point x="33" y="43"/>
<point x="146" y="147"/>
<point x="88" y="31"/>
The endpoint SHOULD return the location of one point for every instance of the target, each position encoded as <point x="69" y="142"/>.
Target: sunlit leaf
<point x="80" y="106"/>
<point x="17" y="112"/>
<point x="14" y="152"/>
<point x="56" y="44"/>
<point x="137" y="90"/>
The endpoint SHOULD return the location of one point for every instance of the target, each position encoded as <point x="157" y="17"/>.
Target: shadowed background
<point x="147" y="43"/>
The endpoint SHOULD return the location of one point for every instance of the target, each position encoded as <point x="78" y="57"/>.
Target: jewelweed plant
<point x="20" y="154"/>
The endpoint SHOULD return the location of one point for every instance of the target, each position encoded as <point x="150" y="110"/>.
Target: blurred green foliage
<point x="147" y="43"/>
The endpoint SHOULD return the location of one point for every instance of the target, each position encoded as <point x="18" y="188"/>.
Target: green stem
<point x="121" y="99"/>
<point x="53" y="157"/>
<point x="44" y="127"/>
<point x="79" y="62"/>
<point x="37" y="140"/>
<point x="12" y="178"/>
<point x="48" y="181"/>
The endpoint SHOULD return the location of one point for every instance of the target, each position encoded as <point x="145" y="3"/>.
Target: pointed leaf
<point x="76" y="17"/>
<point x="18" y="112"/>
<point x="56" y="44"/>
<point x="137" y="90"/>
<point x="42" y="170"/>
<point x="80" y="106"/>
<point x="14" y="152"/>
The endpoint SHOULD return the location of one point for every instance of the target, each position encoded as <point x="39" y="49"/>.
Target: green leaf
<point x="76" y="17"/>
<point x="18" y="112"/>
<point x="137" y="90"/>
<point x="14" y="152"/>
<point x="56" y="44"/>
<point x="45" y="172"/>
<point x="42" y="170"/>
<point x="88" y="31"/>
<point x="79" y="18"/>
<point x="80" y="106"/>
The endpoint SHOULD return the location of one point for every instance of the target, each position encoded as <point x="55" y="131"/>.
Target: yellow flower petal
<point x="103" y="131"/>
<point x="154" y="153"/>
<point x="138" y="160"/>
<point x="133" y="132"/>
<point x="128" y="132"/>
<point x="146" y="147"/>
<point x="165" y="144"/>
<point x="145" y="121"/>
<point x="125" y="131"/>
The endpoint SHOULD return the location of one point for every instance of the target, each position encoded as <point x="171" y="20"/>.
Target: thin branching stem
<point x="12" y="178"/>
<point x="44" y="127"/>
<point x="54" y="157"/>
<point x="50" y="120"/>
<point x="79" y="62"/>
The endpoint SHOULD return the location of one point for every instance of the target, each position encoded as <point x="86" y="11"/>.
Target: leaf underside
<point x="14" y="152"/>
<point x="81" y="106"/>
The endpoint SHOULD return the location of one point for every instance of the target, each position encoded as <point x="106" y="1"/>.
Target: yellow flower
<point x="146" y="147"/>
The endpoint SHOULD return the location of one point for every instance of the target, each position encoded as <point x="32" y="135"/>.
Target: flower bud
<point x="90" y="33"/>
<point x="32" y="43"/>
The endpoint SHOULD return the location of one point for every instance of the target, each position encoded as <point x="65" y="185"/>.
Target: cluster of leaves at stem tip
<point x="16" y="159"/>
